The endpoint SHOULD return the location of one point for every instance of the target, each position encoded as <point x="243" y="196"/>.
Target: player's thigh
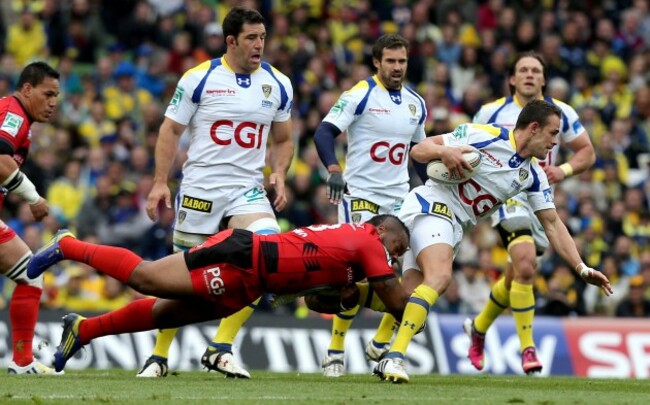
<point x="357" y="210"/>
<point x="168" y="277"/>
<point x="434" y="239"/>
<point x="170" y="313"/>
<point x="252" y="209"/>
<point x="12" y="248"/>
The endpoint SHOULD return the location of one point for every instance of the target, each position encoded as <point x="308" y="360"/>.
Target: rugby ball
<point x="438" y="172"/>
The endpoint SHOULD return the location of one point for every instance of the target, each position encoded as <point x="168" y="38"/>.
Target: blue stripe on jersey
<point x="565" y="119"/>
<point x="362" y="104"/>
<point x="424" y="110"/>
<point x="284" y="98"/>
<point x="503" y="136"/>
<point x="345" y="210"/>
<point x="423" y="203"/>
<point x="196" y="96"/>
<point x="493" y="118"/>
<point x="535" y="186"/>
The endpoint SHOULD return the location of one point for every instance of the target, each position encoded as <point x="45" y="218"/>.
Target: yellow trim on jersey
<point x="495" y="103"/>
<point x="359" y="86"/>
<point x="516" y="101"/>
<point x="521" y="239"/>
<point x="511" y="136"/>
<point x="379" y="83"/>
<point x="225" y="64"/>
<point x="490" y="129"/>
<point x="203" y="67"/>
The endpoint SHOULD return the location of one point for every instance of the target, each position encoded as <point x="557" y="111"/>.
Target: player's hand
<point x="452" y="157"/>
<point x="593" y="276"/>
<point x="159" y="191"/>
<point x="276" y="180"/>
<point x="554" y="174"/>
<point x="40" y="209"/>
<point x="335" y="187"/>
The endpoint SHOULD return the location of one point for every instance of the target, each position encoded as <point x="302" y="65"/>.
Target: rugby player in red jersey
<point x="34" y="100"/>
<point x="232" y="269"/>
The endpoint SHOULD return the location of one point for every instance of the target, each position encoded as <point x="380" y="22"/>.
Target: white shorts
<point x="355" y="209"/>
<point x="517" y="213"/>
<point x="430" y="221"/>
<point x="200" y="211"/>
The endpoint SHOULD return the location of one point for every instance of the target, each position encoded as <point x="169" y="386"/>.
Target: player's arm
<point x="333" y="301"/>
<point x="324" y="139"/>
<point x="392" y="294"/>
<point x="16" y="182"/>
<point x="166" y="146"/>
<point x="564" y="245"/>
<point x="281" y="154"/>
<point x="582" y="159"/>
<point x="434" y="148"/>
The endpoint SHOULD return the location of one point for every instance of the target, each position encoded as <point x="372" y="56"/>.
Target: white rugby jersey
<point x="228" y="117"/>
<point x="381" y="125"/>
<point x="501" y="175"/>
<point x="504" y="112"/>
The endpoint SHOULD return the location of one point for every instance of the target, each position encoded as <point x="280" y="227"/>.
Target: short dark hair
<point x="537" y="111"/>
<point x="234" y="21"/>
<point x="389" y="41"/>
<point x="35" y="73"/>
<point x="381" y="218"/>
<point x="513" y="68"/>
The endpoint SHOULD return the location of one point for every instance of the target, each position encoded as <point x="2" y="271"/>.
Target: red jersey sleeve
<point x="373" y="257"/>
<point x="15" y="128"/>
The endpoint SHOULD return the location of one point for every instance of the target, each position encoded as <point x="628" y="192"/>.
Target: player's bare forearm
<point x="166" y="146"/>
<point x="584" y="155"/>
<point x="393" y="295"/>
<point x="559" y="237"/>
<point x="7" y="167"/>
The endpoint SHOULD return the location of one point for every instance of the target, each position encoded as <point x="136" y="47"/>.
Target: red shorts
<point x="6" y="233"/>
<point x="221" y="274"/>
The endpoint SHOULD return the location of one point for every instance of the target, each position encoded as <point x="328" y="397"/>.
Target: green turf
<point x="118" y="386"/>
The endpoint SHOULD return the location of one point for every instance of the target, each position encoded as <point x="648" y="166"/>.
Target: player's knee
<point x="438" y="280"/>
<point x="18" y="272"/>
<point x="184" y="241"/>
<point x="264" y="226"/>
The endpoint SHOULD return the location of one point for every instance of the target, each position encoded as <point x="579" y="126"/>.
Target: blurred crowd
<point x="120" y="61"/>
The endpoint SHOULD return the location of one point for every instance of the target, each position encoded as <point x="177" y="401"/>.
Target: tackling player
<point x="521" y="232"/>
<point x="438" y="214"/>
<point x="230" y="106"/>
<point x="230" y="270"/>
<point x="383" y="119"/>
<point x="34" y="100"/>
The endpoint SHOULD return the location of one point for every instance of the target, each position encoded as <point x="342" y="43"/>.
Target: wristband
<point x="567" y="169"/>
<point x="585" y="271"/>
<point x="19" y="184"/>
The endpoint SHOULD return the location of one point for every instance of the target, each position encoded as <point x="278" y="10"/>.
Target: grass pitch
<point x="119" y="386"/>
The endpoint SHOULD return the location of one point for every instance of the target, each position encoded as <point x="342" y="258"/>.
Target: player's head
<point x="38" y="89"/>
<point x="527" y="76"/>
<point x="540" y="121"/>
<point x="244" y="31"/>
<point x="393" y="233"/>
<point x="390" y="57"/>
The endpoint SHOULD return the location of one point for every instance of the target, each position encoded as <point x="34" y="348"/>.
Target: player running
<point x="521" y="232"/>
<point x="34" y="100"/>
<point x="230" y="107"/>
<point x="229" y="271"/>
<point x="438" y="214"/>
<point x="383" y="119"/>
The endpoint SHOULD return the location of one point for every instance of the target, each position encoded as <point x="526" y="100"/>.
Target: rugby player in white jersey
<point x="520" y="231"/>
<point x="382" y="118"/>
<point x="438" y="214"/>
<point x="230" y="107"/>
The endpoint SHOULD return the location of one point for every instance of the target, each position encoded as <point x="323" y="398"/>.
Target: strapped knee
<point x="264" y="226"/>
<point x="185" y="241"/>
<point x="18" y="272"/>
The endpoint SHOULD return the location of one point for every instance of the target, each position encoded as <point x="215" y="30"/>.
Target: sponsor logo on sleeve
<point x="548" y="195"/>
<point x="196" y="204"/>
<point x="460" y="132"/>
<point x="577" y="127"/>
<point x="12" y="124"/>
<point x="339" y="106"/>
<point x="364" y="205"/>
<point x="176" y="99"/>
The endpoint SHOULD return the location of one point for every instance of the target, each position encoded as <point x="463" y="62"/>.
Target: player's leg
<point x="218" y="356"/>
<point x="157" y="364"/>
<point x="24" y="304"/>
<point x="351" y="210"/>
<point x="433" y="253"/>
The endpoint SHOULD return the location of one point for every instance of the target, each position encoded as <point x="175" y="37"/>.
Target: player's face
<point x="391" y="69"/>
<point x="528" y="79"/>
<point x="545" y="137"/>
<point x="248" y="48"/>
<point x="42" y="99"/>
<point x="395" y="240"/>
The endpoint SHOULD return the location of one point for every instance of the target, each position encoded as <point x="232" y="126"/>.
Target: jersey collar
<point x="224" y="63"/>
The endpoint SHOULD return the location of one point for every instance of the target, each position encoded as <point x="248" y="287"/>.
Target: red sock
<point x="23" y="312"/>
<point x="113" y="261"/>
<point x="136" y="316"/>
